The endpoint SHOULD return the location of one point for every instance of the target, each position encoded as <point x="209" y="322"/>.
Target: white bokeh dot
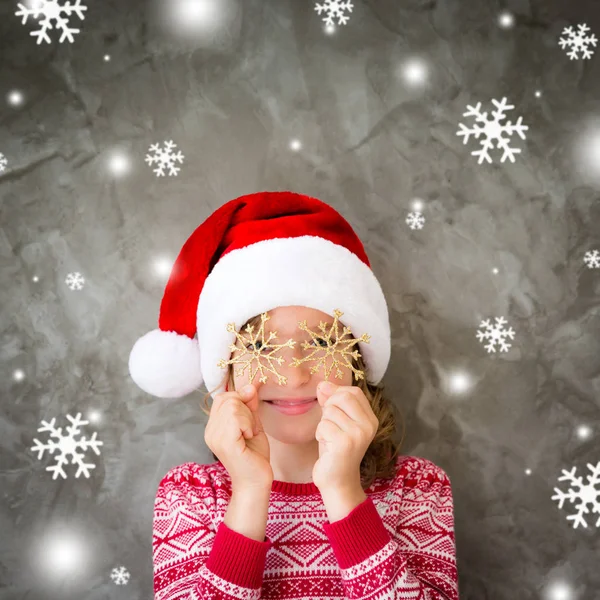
<point x="18" y="375"/>
<point x="295" y="145"/>
<point x="584" y="432"/>
<point x="558" y="590"/>
<point x="94" y="416"/>
<point x="506" y="20"/>
<point x="417" y="205"/>
<point x="61" y="554"/>
<point x="459" y="382"/>
<point x="586" y="153"/>
<point x="414" y="72"/>
<point x="15" y="98"/>
<point x="198" y="19"/>
<point x="118" y="163"/>
<point x="162" y="266"/>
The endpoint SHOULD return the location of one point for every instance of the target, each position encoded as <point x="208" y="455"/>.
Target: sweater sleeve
<point x="418" y="562"/>
<point x="192" y="561"/>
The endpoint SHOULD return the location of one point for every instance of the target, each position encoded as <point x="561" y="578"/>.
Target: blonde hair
<point x="380" y="457"/>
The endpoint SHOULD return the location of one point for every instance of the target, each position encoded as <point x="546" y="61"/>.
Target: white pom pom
<point x="166" y="364"/>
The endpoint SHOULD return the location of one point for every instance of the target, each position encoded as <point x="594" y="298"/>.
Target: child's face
<point x="293" y="428"/>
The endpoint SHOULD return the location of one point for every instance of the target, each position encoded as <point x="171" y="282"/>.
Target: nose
<point x="296" y="376"/>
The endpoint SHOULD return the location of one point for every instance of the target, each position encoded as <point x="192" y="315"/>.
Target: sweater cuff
<point x="358" y="535"/>
<point x="237" y="558"/>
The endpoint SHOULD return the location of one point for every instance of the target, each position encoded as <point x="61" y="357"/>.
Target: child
<point x="309" y="496"/>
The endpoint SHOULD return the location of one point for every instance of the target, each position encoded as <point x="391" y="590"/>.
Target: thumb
<point x="249" y="397"/>
<point x="324" y="390"/>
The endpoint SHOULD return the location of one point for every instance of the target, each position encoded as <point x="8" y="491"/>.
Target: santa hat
<point x="251" y="255"/>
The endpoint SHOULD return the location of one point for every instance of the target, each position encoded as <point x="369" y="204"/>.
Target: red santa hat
<point x="251" y="255"/>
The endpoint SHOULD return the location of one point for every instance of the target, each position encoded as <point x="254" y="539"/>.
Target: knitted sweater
<point x="399" y="543"/>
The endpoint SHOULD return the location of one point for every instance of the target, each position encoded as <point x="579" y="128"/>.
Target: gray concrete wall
<point x="375" y="129"/>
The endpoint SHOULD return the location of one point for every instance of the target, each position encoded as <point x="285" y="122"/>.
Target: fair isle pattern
<point x="414" y="514"/>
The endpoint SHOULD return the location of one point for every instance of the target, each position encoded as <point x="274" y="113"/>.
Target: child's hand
<point x="344" y="433"/>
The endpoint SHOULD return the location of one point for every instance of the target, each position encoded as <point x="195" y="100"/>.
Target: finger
<point x="222" y="399"/>
<point x="360" y="396"/>
<point x="244" y="423"/>
<point x="340" y="418"/>
<point x="348" y="403"/>
<point x="327" y="432"/>
<point x="249" y="399"/>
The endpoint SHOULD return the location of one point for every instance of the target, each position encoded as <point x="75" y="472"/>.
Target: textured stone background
<point x="233" y="99"/>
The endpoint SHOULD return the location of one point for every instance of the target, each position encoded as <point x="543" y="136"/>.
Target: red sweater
<point x="399" y="543"/>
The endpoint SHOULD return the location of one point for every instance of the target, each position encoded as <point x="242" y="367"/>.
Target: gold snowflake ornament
<point x="250" y="353"/>
<point x="336" y="345"/>
<point x="337" y="348"/>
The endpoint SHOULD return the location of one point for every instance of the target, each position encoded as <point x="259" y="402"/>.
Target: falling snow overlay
<point x="164" y="158"/>
<point x="592" y="259"/>
<point x="415" y="220"/>
<point x="333" y="9"/>
<point x="67" y="445"/>
<point x="492" y="129"/>
<point x="588" y="494"/>
<point x="75" y="281"/>
<point x="496" y="334"/>
<point x="53" y="16"/>
<point x="120" y="575"/>
<point x="578" y="41"/>
<point x="3" y="162"/>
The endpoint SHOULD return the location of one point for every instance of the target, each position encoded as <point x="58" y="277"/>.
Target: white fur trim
<point x="304" y="271"/>
<point x="166" y="364"/>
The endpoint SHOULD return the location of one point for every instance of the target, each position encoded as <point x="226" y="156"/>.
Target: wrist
<point x="251" y="491"/>
<point x="341" y="501"/>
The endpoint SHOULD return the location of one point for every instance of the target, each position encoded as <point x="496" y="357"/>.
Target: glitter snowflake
<point x="3" y="162"/>
<point x="164" y="158"/>
<point x="75" y="281"/>
<point x="67" y="445"/>
<point x="415" y="220"/>
<point x="53" y="16"/>
<point x="336" y="345"/>
<point x="333" y="9"/>
<point x="578" y="41"/>
<point x="592" y="259"/>
<point x="585" y="494"/>
<point x="496" y="334"/>
<point x="492" y="129"/>
<point x="251" y="352"/>
<point x="120" y="575"/>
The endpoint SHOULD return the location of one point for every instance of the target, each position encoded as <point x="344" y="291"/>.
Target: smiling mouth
<point x="290" y="402"/>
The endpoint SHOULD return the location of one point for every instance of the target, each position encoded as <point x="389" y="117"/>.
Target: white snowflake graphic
<point x="586" y="494"/>
<point x="383" y="506"/>
<point x="415" y="220"/>
<point x="492" y="129"/>
<point x="67" y="445"/>
<point x="3" y="162"/>
<point x="53" y="16"/>
<point x="592" y="259"/>
<point x="164" y="158"/>
<point x="578" y="41"/>
<point x="333" y="9"/>
<point x="75" y="281"/>
<point x="120" y="575"/>
<point x="496" y="334"/>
